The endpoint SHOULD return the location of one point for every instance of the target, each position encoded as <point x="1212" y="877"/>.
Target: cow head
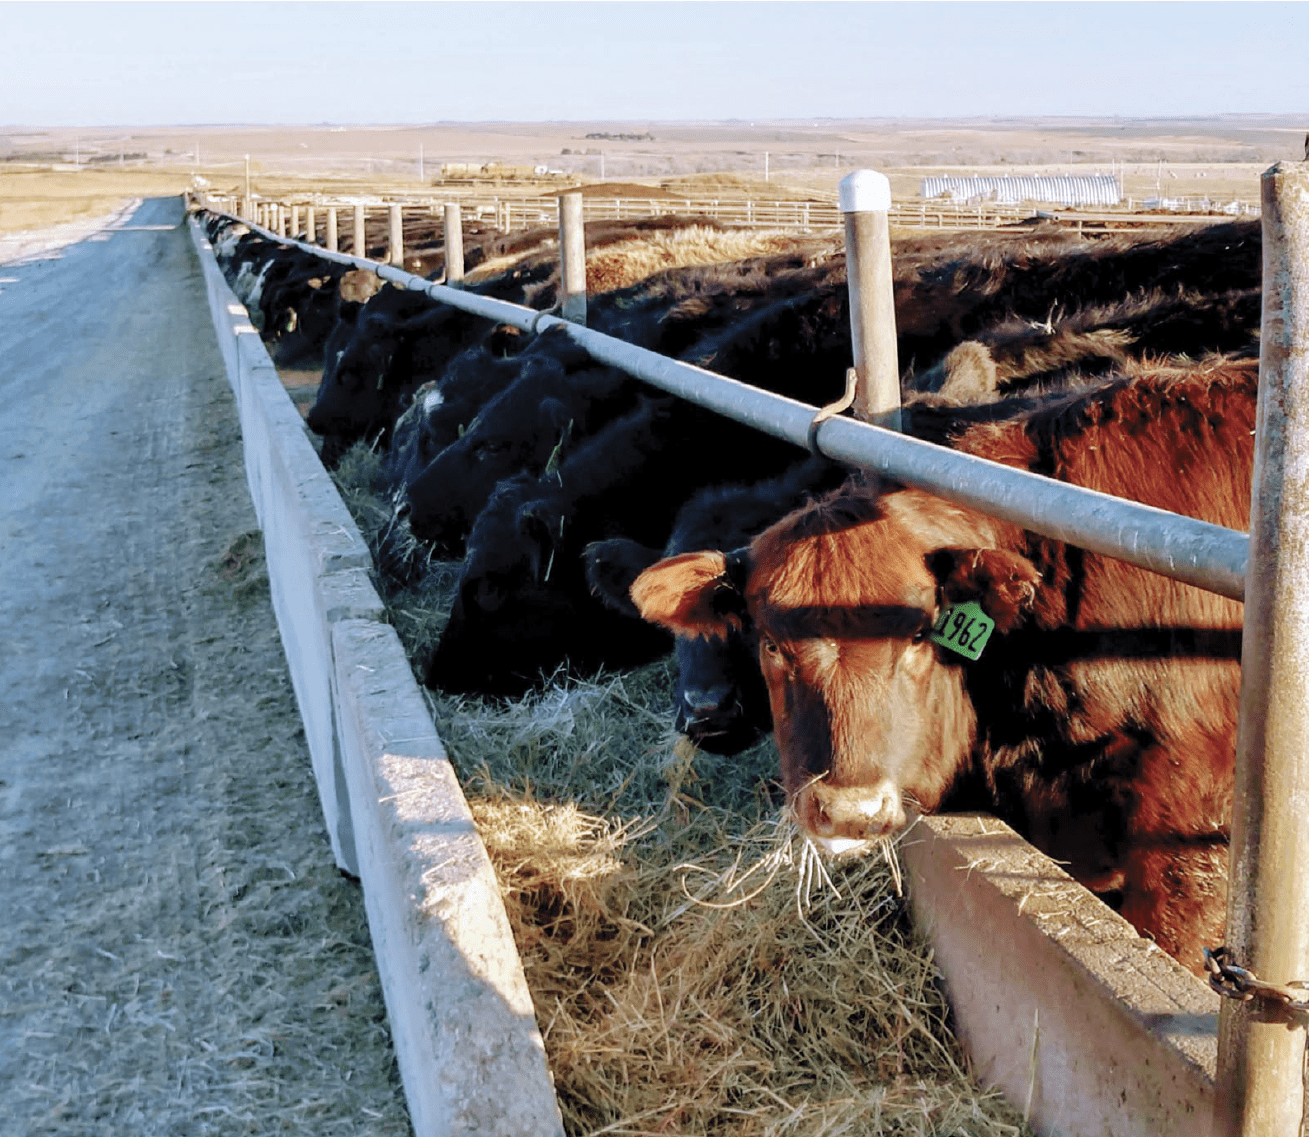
<point x="870" y="713"/>
<point x="720" y="703"/>
<point x="518" y="430"/>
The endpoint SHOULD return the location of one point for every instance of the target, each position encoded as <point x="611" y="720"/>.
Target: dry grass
<point x="695" y="967"/>
<point x="35" y="199"/>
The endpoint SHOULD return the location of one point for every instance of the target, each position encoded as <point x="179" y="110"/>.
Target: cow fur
<point x="1101" y="721"/>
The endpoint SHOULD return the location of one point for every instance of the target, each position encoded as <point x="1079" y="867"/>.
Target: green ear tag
<point x="964" y="629"/>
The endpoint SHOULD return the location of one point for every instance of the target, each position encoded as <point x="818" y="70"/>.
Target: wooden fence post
<point x="295" y="221"/>
<point x="311" y="225"/>
<point x="330" y="237"/>
<point x="1258" y="1088"/>
<point x="396" y="244"/>
<point x="865" y="199"/>
<point x="572" y="258"/>
<point x="454" y="243"/>
<point x="361" y="242"/>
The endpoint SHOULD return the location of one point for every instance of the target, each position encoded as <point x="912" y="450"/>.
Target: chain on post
<point x="1233" y="982"/>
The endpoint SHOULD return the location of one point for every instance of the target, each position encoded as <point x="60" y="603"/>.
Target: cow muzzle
<point x="848" y="819"/>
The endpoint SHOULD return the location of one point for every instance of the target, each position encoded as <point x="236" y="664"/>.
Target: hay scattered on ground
<point x="695" y="967"/>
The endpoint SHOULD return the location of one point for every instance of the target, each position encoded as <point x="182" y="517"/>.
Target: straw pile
<point x="695" y="968"/>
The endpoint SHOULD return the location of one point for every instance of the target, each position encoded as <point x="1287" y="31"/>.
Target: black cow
<point x="530" y="427"/>
<point x="721" y="703"/>
<point x="524" y="607"/>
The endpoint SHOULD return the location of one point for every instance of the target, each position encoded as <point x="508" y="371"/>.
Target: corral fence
<point x="1258" y="1087"/>
<point x="511" y="214"/>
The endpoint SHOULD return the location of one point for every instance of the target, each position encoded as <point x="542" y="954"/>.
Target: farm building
<point x="1056" y="189"/>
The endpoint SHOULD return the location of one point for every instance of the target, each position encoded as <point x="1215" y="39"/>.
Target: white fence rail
<point x="510" y="214"/>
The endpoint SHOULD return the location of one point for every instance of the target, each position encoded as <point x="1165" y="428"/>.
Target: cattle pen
<point x="1159" y="1017"/>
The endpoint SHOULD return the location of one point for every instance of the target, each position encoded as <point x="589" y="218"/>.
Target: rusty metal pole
<point x="1259" y="1089"/>
<point x="865" y="199"/>
<point x="361" y="244"/>
<point x="454" y="243"/>
<point x="330" y="238"/>
<point x="572" y="258"/>
<point x="396" y="244"/>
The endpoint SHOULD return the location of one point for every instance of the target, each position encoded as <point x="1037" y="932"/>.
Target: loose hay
<point x="695" y="968"/>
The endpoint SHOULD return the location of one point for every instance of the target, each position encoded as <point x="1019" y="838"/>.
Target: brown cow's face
<point x="870" y="716"/>
<point x="867" y="713"/>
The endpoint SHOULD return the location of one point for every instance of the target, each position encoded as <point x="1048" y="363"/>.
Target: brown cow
<point x="1100" y="719"/>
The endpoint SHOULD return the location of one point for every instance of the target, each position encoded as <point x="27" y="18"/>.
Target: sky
<point x="168" y="63"/>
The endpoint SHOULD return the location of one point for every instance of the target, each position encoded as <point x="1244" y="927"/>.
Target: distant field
<point x="49" y="176"/>
<point x="37" y="199"/>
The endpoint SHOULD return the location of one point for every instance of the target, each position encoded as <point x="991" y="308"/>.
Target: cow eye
<point x="769" y="646"/>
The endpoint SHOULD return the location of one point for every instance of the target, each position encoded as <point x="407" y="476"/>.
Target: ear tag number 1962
<point x="964" y="629"/>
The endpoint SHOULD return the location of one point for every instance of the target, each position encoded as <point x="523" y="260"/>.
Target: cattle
<point x="789" y="333"/>
<point x="523" y="607"/>
<point x="400" y="340"/>
<point x="642" y="254"/>
<point x="720" y="702"/>
<point x="1101" y="338"/>
<point x="946" y="296"/>
<point x="533" y="424"/>
<point x="1100" y="717"/>
<point x="546" y="412"/>
<point x="403" y="339"/>
<point x="301" y="307"/>
<point x="450" y="404"/>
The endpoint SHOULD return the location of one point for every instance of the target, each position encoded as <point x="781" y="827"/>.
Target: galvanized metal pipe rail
<point x="1195" y="552"/>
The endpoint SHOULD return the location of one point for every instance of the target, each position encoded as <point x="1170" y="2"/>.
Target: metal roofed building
<point x="1055" y="189"/>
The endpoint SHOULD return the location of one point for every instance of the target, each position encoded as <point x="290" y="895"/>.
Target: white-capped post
<point x="572" y="258"/>
<point x="454" y="243"/>
<point x="1258" y="1087"/>
<point x="361" y="245"/>
<point x="865" y="199"/>
<point x="396" y="245"/>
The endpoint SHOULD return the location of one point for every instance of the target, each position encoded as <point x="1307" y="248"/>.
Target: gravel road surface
<point x="178" y="954"/>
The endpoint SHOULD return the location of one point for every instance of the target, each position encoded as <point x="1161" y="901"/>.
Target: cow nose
<point x="845" y="818"/>
<point x="702" y="703"/>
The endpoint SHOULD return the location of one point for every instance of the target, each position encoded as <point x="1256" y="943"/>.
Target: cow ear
<point x="1003" y="582"/>
<point x="612" y="566"/>
<point x="694" y="594"/>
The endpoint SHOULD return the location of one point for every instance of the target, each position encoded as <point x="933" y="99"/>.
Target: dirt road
<point x="178" y="954"/>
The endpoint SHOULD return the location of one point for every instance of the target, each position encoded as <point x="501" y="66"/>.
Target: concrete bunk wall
<point x="470" y="1054"/>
